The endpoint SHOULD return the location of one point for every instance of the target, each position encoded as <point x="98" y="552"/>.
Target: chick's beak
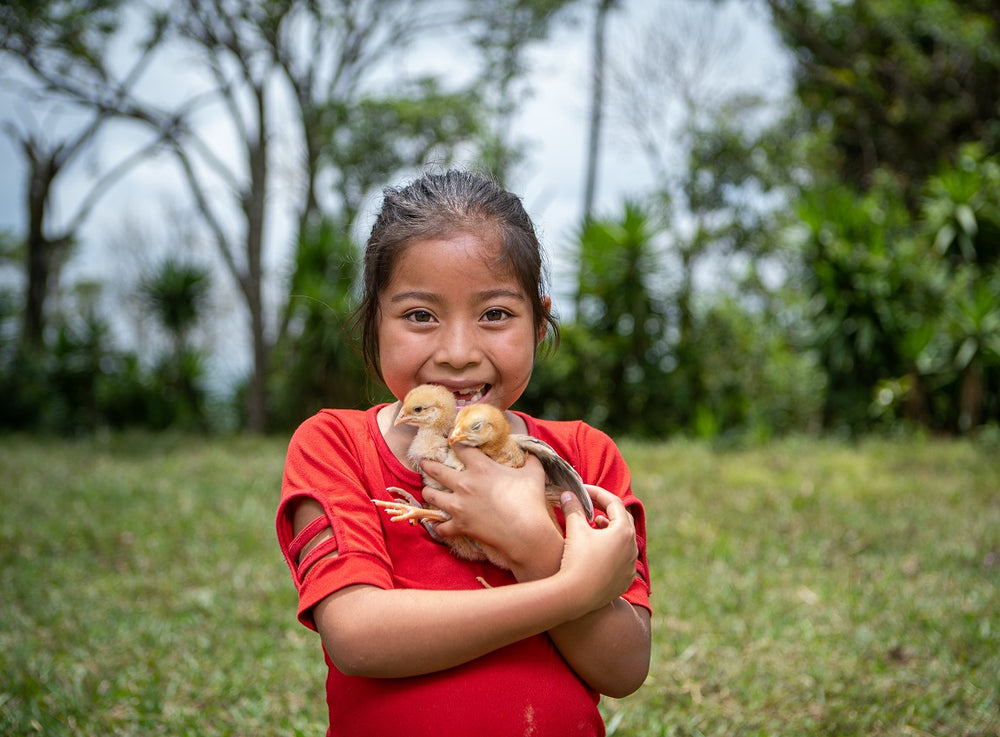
<point x="457" y="436"/>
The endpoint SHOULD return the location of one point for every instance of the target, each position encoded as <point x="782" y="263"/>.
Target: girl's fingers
<point x="439" y="472"/>
<point x="605" y="556"/>
<point x="616" y="516"/>
<point x="612" y="506"/>
<point x="467" y="454"/>
<point x="571" y="507"/>
<point x="607" y="501"/>
<point x="480" y="468"/>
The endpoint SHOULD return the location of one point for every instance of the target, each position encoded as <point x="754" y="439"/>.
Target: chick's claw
<point x="398" y="511"/>
<point x="412" y="511"/>
<point x="409" y="508"/>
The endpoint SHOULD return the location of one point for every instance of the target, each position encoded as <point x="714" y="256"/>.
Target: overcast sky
<point x="553" y="123"/>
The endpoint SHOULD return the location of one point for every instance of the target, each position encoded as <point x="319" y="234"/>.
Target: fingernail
<point x="566" y="498"/>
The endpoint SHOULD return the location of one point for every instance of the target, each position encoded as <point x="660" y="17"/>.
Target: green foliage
<point x="176" y="294"/>
<point x="962" y="214"/>
<point x="757" y="384"/>
<point x="79" y="381"/>
<point x="888" y="161"/>
<point x="799" y="588"/>
<point x="860" y="261"/>
<point x="78" y="384"/>
<point x="609" y="369"/>
<point x="316" y="365"/>
<point x="73" y="27"/>
<point x="903" y="310"/>
<point x="961" y="209"/>
<point x="900" y="86"/>
<point x="642" y="359"/>
<point x="369" y="141"/>
<point x="898" y="187"/>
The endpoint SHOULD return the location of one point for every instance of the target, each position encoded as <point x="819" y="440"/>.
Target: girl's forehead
<point x="477" y="242"/>
<point x="463" y="252"/>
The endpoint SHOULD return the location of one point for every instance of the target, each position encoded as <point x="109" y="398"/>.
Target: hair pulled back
<point x="440" y="206"/>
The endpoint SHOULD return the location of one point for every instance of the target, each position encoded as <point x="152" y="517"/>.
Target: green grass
<point x="801" y="588"/>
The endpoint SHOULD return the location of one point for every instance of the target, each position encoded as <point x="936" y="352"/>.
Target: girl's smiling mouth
<point x="470" y="395"/>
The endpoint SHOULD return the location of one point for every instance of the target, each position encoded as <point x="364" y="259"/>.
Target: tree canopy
<point x="828" y="262"/>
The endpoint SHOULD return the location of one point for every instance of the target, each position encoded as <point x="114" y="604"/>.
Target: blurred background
<point x="761" y="217"/>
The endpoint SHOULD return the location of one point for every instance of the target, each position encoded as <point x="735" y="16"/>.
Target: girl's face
<point x="449" y="317"/>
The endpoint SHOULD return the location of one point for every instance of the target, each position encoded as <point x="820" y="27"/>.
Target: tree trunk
<point x="596" y="108"/>
<point x="257" y="393"/>
<point x="971" y="397"/>
<point x="254" y="208"/>
<point x="39" y="249"/>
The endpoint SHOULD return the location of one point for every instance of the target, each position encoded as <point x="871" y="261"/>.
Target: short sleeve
<point x="605" y="464"/>
<point x="326" y="462"/>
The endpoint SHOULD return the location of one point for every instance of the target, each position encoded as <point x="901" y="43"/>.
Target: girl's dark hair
<point x="437" y="206"/>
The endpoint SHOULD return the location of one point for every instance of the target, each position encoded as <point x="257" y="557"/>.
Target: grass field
<point x="802" y="588"/>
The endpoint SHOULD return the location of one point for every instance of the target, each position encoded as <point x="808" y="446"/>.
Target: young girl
<point x="415" y="643"/>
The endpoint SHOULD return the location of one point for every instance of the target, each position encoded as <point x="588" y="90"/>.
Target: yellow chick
<point x="485" y="427"/>
<point x="431" y="409"/>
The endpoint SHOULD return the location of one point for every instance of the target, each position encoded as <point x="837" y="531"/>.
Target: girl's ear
<point x="543" y="325"/>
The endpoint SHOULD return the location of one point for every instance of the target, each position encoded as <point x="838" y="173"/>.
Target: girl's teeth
<point x="464" y="398"/>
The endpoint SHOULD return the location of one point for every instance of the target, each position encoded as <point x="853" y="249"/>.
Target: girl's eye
<point x="495" y="315"/>
<point x="419" y="316"/>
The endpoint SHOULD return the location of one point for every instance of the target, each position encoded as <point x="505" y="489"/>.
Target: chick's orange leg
<point x="410" y="509"/>
<point x="413" y="511"/>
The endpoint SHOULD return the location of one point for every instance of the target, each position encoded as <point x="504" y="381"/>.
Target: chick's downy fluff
<point x="432" y="409"/>
<point x="485" y="427"/>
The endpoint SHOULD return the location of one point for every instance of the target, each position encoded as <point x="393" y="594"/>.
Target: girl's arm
<point x="607" y="646"/>
<point x="402" y="632"/>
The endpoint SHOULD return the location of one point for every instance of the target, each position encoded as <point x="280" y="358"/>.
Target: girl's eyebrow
<point x="414" y="295"/>
<point x="484" y="296"/>
<point x="501" y="293"/>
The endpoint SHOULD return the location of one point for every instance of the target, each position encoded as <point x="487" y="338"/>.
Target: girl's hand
<point x="500" y="506"/>
<point x="601" y="561"/>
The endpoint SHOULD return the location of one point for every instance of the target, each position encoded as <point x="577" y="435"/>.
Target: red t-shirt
<point x="340" y="459"/>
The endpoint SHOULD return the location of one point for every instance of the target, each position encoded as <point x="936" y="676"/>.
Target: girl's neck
<point x="397" y="437"/>
<point x="517" y="425"/>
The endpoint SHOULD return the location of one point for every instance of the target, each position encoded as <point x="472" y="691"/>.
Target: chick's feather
<point x="432" y="409"/>
<point x="485" y="427"/>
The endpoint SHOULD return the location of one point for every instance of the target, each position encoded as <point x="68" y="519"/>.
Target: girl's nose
<point x="457" y="347"/>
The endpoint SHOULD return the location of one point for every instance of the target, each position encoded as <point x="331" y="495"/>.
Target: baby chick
<point x="485" y="427"/>
<point x="431" y="409"/>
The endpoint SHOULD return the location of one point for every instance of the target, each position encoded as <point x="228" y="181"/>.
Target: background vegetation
<point x="825" y="269"/>
<point x="802" y="588"/>
<point x="827" y="265"/>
